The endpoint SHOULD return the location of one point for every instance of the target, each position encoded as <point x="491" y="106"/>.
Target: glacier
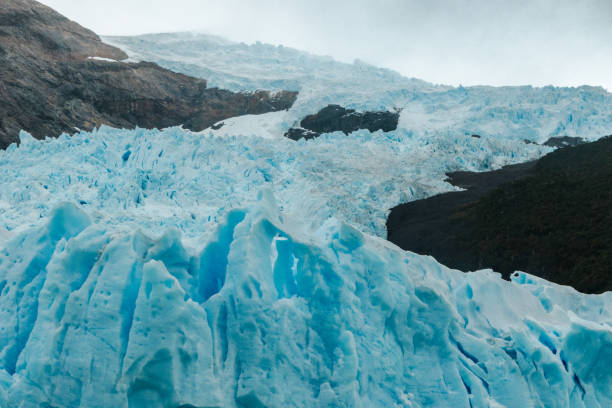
<point x="519" y="112"/>
<point x="266" y="314"/>
<point x="236" y="268"/>
<point x="166" y="268"/>
<point x="190" y="180"/>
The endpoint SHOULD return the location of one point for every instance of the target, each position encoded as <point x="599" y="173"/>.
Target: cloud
<point x="467" y="42"/>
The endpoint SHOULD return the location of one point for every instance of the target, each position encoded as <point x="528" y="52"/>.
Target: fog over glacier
<point x="543" y="42"/>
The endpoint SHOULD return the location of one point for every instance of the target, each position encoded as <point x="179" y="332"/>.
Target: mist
<point x="541" y="42"/>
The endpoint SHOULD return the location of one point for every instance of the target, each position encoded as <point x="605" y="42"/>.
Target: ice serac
<point x="267" y="314"/>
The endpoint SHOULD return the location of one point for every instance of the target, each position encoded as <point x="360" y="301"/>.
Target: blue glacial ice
<point x="166" y="268"/>
<point x="178" y="178"/>
<point x="265" y="314"/>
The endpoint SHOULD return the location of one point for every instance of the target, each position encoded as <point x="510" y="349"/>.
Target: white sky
<point x="468" y="42"/>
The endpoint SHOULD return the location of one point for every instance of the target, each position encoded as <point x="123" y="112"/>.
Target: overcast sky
<point x="493" y="42"/>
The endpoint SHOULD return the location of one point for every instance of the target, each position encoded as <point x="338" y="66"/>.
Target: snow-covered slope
<point x="507" y="112"/>
<point x="238" y="66"/>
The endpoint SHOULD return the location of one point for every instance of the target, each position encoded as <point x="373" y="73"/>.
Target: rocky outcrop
<point x="334" y="118"/>
<point x="49" y="82"/>
<point x="550" y="218"/>
<point x="298" y="133"/>
<point x="564" y="141"/>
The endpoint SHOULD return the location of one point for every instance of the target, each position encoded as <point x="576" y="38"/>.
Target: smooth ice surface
<point x="508" y="112"/>
<point x="263" y="313"/>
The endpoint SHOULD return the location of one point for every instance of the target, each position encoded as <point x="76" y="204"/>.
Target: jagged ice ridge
<point x="153" y="179"/>
<point x="106" y="300"/>
<point x="263" y="315"/>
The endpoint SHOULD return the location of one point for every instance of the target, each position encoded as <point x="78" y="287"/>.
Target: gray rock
<point x="49" y="85"/>
<point x="334" y="118"/>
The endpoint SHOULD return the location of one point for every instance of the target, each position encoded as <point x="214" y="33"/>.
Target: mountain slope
<point x="29" y="28"/>
<point x="550" y="218"/>
<point x="49" y="84"/>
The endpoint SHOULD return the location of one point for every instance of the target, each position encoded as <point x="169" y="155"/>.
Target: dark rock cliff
<point x="551" y="218"/>
<point x="334" y="118"/>
<point x="49" y="84"/>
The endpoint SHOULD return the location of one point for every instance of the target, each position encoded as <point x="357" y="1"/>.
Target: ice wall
<point x="264" y="313"/>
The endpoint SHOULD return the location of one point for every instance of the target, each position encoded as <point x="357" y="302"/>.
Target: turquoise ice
<point x="265" y="314"/>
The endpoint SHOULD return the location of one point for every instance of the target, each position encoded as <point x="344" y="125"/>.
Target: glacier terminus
<point x="234" y="267"/>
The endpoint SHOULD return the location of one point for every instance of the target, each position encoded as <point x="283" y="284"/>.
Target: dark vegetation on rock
<point x="49" y="85"/>
<point x="334" y="118"/>
<point x="564" y="141"/>
<point x="551" y="218"/>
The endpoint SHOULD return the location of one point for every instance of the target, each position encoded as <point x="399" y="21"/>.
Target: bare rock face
<point x="33" y="29"/>
<point x="335" y="118"/>
<point x="49" y="84"/>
